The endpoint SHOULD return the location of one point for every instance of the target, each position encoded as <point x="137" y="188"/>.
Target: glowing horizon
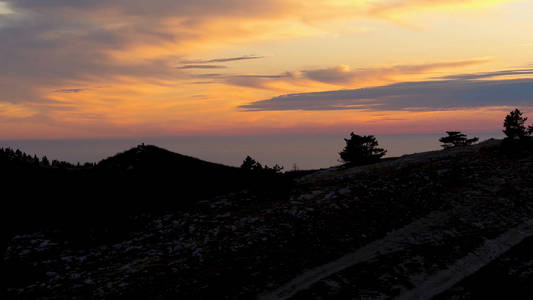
<point x="109" y="69"/>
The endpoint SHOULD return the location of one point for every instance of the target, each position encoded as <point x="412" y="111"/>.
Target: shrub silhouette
<point x="514" y="126"/>
<point x="361" y="150"/>
<point x="456" y="139"/>
<point x="250" y="164"/>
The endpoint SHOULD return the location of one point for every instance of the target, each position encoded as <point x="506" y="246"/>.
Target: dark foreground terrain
<point x="444" y="224"/>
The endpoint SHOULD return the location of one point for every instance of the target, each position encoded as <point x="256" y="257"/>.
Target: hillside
<point x="430" y="224"/>
<point x="101" y="200"/>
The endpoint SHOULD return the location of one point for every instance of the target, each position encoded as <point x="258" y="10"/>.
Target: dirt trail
<point x="393" y="241"/>
<point x="480" y="257"/>
<point x="423" y="231"/>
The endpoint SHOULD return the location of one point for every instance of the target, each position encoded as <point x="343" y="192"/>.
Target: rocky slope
<point x="409" y="227"/>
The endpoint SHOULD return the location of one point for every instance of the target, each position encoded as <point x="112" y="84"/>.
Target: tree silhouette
<point x="455" y="139"/>
<point x="514" y="126"/>
<point x="45" y="162"/>
<point x="251" y="164"/>
<point x="361" y="150"/>
<point x="276" y="169"/>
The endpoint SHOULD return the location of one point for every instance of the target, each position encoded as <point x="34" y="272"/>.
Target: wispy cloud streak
<point x="343" y="74"/>
<point x="69" y="91"/>
<point x="517" y="72"/>
<point x="188" y="67"/>
<point x="220" y="60"/>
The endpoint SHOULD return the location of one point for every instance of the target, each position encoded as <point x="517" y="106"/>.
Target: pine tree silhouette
<point x="514" y="126"/>
<point x="361" y="150"/>
<point x="456" y="139"/>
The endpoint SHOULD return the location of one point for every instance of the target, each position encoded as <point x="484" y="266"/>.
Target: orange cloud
<point x="343" y="75"/>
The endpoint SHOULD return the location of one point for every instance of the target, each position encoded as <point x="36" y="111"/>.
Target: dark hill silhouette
<point x="152" y="173"/>
<point x="148" y="158"/>
<point x="95" y="200"/>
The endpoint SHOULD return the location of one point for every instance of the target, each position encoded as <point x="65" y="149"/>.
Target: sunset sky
<point x="128" y="68"/>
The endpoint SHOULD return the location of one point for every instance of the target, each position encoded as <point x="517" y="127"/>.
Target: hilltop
<point x="422" y="224"/>
<point x="149" y="158"/>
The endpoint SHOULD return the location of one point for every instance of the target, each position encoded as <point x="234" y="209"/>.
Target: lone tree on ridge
<point x="456" y="139"/>
<point x="361" y="150"/>
<point x="514" y="126"/>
